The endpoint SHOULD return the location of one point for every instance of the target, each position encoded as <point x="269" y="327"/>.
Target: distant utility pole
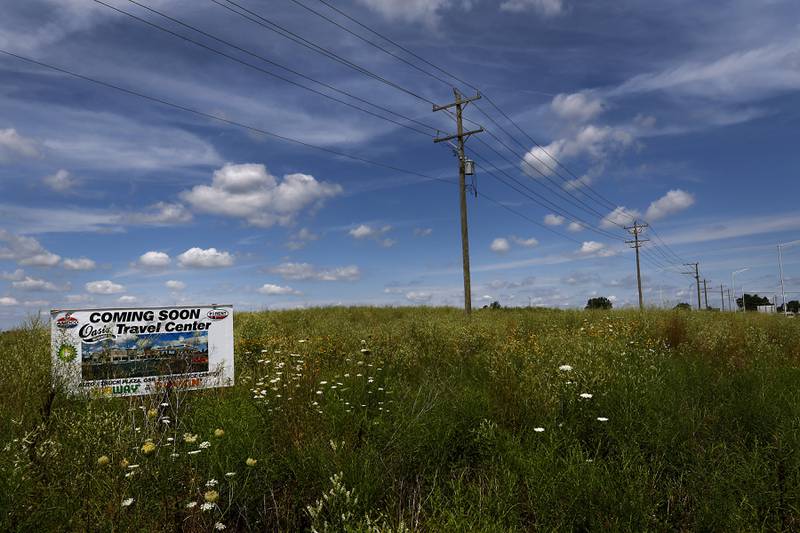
<point x="705" y="292"/>
<point x="461" y="136"/>
<point x="636" y="230"/>
<point x="722" y="298"/>
<point x="730" y="301"/>
<point x="696" y="275"/>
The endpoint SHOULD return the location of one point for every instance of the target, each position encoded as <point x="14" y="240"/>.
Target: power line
<point x="262" y="70"/>
<point x="217" y="118"/>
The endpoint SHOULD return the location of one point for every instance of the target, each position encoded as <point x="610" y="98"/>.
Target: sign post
<point x="142" y="350"/>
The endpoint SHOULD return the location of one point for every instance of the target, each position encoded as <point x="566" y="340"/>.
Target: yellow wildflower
<point x="103" y="460"/>
<point x="148" y="447"/>
<point x="189" y="438"/>
<point x="124" y="463"/>
<point x="152" y="413"/>
<point x="211" y="496"/>
<point x="250" y="462"/>
<point x="219" y="432"/>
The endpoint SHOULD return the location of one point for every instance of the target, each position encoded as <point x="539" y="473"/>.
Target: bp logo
<point x="67" y="353"/>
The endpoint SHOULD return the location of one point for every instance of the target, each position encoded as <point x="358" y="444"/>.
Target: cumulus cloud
<point x="273" y="290"/>
<point x="159" y="214"/>
<point x="60" y="181"/>
<point x="104" y="286"/>
<point x="525" y="242"/>
<point x="424" y="11"/>
<point x="16" y="275"/>
<point x="596" y="142"/>
<point x="365" y="231"/>
<point x="13" y="145"/>
<point x="208" y="258"/>
<point x="673" y="202"/>
<point x="25" y="250"/>
<point x="32" y="284"/>
<point x="81" y="263"/>
<point x="299" y="239"/>
<point x="500" y="245"/>
<point x="554" y="220"/>
<point x="591" y="247"/>
<point x="8" y="300"/>
<point x="575" y="227"/>
<point x="577" y="107"/>
<point x="153" y="259"/>
<point x="619" y="217"/>
<point x="250" y="192"/>
<point x="419" y="297"/>
<point x="174" y="285"/>
<point x="547" y="8"/>
<point x="127" y="299"/>
<point x="307" y="271"/>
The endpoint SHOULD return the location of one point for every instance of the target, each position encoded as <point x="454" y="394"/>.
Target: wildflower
<point x="207" y="506"/>
<point x="133" y="467"/>
<point x="250" y="462"/>
<point x="148" y="447"/>
<point x="219" y="526"/>
<point x="191" y="505"/>
<point x="602" y="419"/>
<point x="302" y="340"/>
<point x="230" y="474"/>
<point x="127" y="501"/>
<point x="174" y="455"/>
<point x="164" y="404"/>
<point x="124" y="463"/>
<point x="211" y="496"/>
<point x="103" y="460"/>
<point x="205" y="444"/>
<point x="189" y="438"/>
<point x="193" y="452"/>
<point x="212" y="483"/>
<point x="538" y="430"/>
<point x="152" y="413"/>
<point x="323" y="382"/>
<point x="219" y="432"/>
<point x="586" y="395"/>
<point x="565" y="368"/>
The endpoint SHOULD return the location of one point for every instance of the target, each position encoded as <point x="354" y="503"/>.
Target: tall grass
<point x="366" y="419"/>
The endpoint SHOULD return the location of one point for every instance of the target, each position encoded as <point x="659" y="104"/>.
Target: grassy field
<point x="418" y="419"/>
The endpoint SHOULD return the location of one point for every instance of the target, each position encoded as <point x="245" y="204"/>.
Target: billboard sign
<point x="135" y="351"/>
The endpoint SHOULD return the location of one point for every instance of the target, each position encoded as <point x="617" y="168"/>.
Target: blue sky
<point x="680" y="113"/>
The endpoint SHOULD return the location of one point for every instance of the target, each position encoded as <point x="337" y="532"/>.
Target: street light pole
<point x="780" y="268"/>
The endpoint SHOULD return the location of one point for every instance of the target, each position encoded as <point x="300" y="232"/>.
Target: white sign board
<point x="143" y="350"/>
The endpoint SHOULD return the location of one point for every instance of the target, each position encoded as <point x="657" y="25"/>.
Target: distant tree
<point x="683" y="306"/>
<point x="601" y="302"/>
<point x="752" y="301"/>
<point x="792" y="306"/>
<point x="495" y="305"/>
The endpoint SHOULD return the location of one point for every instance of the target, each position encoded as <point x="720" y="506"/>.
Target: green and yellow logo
<point x="67" y="353"/>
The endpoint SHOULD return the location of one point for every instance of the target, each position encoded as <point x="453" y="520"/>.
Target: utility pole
<point x="461" y="136"/>
<point x="730" y="301"/>
<point x="705" y="292"/>
<point x="696" y="275"/>
<point x="635" y="230"/>
<point x="722" y="299"/>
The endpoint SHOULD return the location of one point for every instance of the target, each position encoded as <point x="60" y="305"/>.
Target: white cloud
<point x="250" y="192"/>
<point x="529" y="242"/>
<point x="153" y="259"/>
<point x="674" y="201"/>
<point x="104" y="287"/>
<point x="425" y="11"/>
<point x="81" y="263"/>
<point x="272" y="290"/>
<point x="365" y="231"/>
<point x="591" y="247"/>
<point x="13" y="145"/>
<point x="307" y="271"/>
<point x="208" y="258"/>
<point x="159" y="214"/>
<point x="547" y="8"/>
<point x="33" y="284"/>
<point x="301" y="238"/>
<point x="126" y="299"/>
<point x="578" y="107"/>
<point x="25" y="250"/>
<point x="500" y="245"/>
<point x="45" y="259"/>
<point x="17" y="275"/>
<point x="8" y="300"/>
<point x="575" y="227"/>
<point x="419" y="297"/>
<point x="596" y="142"/>
<point x="554" y="220"/>
<point x="60" y="181"/>
<point x="175" y="285"/>
<point x="422" y="232"/>
<point x="619" y="217"/>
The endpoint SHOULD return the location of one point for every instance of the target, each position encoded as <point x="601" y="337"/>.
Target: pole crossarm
<point x="456" y="136"/>
<point x="459" y="101"/>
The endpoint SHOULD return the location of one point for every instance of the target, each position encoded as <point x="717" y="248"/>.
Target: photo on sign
<point x="133" y="356"/>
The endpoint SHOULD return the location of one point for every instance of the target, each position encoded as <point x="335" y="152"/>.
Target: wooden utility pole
<point x="705" y="292"/>
<point x="696" y="275"/>
<point x="722" y="298"/>
<point x="635" y="230"/>
<point x="461" y="137"/>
